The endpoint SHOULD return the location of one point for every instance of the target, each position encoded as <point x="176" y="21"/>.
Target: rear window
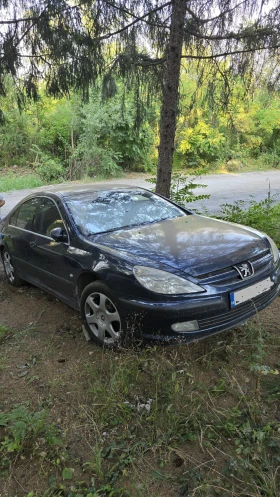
<point x="102" y="211"/>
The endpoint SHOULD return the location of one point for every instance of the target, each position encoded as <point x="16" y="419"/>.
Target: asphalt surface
<point x="223" y="188"/>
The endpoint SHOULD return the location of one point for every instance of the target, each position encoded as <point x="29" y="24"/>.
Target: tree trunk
<point x="170" y="97"/>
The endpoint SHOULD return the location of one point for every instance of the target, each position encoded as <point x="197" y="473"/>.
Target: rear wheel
<point x="100" y="314"/>
<point x="9" y="269"/>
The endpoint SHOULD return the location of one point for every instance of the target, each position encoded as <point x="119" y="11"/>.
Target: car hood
<point x="193" y="244"/>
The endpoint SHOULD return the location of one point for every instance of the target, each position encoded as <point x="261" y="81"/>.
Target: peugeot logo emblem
<point x="245" y="269"/>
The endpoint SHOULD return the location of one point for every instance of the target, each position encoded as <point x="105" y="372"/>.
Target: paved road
<point x="224" y="188"/>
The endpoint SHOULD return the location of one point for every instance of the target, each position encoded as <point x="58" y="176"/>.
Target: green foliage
<point x="21" y="429"/>
<point x="109" y="141"/>
<point x="68" y="138"/>
<point x="182" y="188"/>
<point x="48" y="169"/>
<point x="67" y="474"/>
<point x="201" y="143"/>
<point x="264" y="216"/>
<point x="100" y="138"/>
<point x="246" y="131"/>
<point x="20" y="425"/>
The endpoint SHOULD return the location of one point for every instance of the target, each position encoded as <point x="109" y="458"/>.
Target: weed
<point x="4" y="332"/>
<point x="22" y="429"/>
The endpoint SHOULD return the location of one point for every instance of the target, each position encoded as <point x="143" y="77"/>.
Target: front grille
<point x="261" y="264"/>
<point x="245" y="309"/>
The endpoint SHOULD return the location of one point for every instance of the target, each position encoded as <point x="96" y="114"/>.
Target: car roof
<point x="77" y="189"/>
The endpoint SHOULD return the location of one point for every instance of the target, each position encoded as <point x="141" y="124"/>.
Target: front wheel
<point x="100" y="314"/>
<point x="9" y="269"/>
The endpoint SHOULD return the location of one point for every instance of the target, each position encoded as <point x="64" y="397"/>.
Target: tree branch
<point x="205" y="21"/>
<point x="225" y="54"/>
<point x="36" y="18"/>
<point x="107" y="35"/>
<point x="136" y="20"/>
<point x="157" y="62"/>
<point x="232" y="36"/>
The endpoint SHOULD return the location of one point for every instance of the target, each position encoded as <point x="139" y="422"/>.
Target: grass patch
<point x="17" y="182"/>
<point x="186" y="421"/>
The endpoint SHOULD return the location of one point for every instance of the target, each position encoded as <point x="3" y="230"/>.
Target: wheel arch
<point x="2" y="248"/>
<point x="84" y="280"/>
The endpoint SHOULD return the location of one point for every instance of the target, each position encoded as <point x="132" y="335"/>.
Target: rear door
<point x="18" y="236"/>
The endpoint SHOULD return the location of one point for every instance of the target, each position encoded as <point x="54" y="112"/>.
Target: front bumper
<point x="152" y="321"/>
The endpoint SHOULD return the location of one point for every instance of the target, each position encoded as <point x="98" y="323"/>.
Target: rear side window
<point x="47" y="217"/>
<point x="13" y="218"/>
<point x="25" y="214"/>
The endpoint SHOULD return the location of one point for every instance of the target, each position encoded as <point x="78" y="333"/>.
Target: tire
<point x="10" y="271"/>
<point x="100" y="314"/>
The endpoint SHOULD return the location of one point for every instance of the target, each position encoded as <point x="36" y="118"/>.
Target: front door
<point x="49" y="258"/>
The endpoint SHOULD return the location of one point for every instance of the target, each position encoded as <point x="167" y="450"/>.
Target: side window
<point x="26" y="214"/>
<point x="47" y="217"/>
<point x="13" y="218"/>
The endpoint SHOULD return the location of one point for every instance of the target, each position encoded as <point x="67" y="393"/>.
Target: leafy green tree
<point x="109" y="141"/>
<point x="243" y="131"/>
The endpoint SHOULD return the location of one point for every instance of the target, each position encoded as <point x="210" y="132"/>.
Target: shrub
<point x="264" y="216"/>
<point x="182" y="188"/>
<point x="47" y="168"/>
<point x="50" y="171"/>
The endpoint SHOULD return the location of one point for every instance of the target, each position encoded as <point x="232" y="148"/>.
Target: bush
<point x="109" y="141"/>
<point x="47" y="168"/>
<point x="50" y="171"/>
<point x="95" y="161"/>
<point x="264" y="216"/>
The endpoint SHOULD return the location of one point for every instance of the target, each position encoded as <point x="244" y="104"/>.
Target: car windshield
<point x="102" y="211"/>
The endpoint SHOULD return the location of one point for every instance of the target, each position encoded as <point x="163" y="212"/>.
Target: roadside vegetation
<point x="52" y="140"/>
<point x="263" y="216"/>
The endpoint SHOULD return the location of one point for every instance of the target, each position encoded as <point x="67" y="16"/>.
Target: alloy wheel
<point x="9" y="268"/>
<point x="103" y="318"/>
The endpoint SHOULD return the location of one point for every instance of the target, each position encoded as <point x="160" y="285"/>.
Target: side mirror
<point x="59" y="235"/>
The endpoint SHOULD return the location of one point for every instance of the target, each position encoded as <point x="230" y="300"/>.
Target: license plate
<point x="250" y="292"/>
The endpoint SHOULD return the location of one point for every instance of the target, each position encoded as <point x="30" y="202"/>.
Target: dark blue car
<point x="137" y="265"/>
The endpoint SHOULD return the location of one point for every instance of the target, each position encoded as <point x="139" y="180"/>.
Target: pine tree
<point x="74" y="44"/>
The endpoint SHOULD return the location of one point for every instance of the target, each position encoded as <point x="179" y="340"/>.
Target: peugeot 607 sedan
<point x="137" y="265"/>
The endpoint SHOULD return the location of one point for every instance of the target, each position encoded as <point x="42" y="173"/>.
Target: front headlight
<point x="163" y="282"/>
<point x="273" y="248"/>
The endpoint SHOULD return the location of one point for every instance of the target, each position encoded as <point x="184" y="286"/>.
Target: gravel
<point x="223" y="188"/>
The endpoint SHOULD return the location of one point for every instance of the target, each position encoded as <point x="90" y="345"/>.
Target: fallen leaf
<point x="23" y="373"/>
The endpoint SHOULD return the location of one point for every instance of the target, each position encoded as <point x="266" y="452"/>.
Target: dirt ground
<point x="47" y="344"/>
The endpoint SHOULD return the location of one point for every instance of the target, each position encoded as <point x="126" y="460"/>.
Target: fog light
<point x="186" y="326"/>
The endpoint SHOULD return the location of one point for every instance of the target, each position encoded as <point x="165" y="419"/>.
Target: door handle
<point x="32" y="244"/>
